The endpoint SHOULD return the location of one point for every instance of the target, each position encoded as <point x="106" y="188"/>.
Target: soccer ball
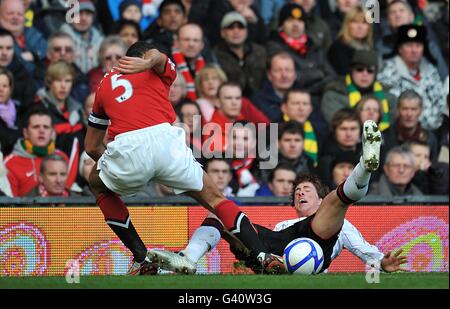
<point x="303" y="256"/>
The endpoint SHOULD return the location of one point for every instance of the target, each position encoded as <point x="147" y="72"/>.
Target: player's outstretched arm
<point x="152" y="59"/>
<point x="392" y="262"/>
<point x="93" y="143"/>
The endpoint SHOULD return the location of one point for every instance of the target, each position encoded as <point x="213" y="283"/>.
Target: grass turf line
<point x="327" y="281"/>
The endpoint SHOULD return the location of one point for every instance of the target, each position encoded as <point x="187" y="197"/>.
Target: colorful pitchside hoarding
<point x="47" y="240"/>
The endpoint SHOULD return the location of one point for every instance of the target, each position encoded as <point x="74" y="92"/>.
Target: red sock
<point x="228" y="212"/>
<point x="113" y="208"/>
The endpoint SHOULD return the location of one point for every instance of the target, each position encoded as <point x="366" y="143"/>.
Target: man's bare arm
<point x="152" y="59"/>
<point x="93" y="143"/>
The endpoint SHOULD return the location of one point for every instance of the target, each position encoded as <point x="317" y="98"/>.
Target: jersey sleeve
<point x="170" y="73"/>
<point x="356" y="244"/>
<point x="98" y="118"/>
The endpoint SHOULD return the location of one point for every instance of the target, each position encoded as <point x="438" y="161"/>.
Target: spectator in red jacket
<point x="24" y="162"/>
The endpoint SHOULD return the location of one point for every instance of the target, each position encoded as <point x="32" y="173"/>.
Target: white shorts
<point x="156" y="153"/>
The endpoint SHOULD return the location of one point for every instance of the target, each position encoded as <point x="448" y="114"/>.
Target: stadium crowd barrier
<point x="47" y="236"/>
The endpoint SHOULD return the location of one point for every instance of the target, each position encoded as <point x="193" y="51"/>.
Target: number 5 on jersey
<point x="116" y="82"/>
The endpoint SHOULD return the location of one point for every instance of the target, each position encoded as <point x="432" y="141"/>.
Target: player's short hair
<point x="51" y="157"/>
<point x="321" y="188"/>
<point x="291" y="127"/>
<point x="139" y="48"/>
<point x="40" y="111"/>
<point x="281" y="166"/>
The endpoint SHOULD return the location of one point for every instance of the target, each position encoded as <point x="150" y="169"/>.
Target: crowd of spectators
<point x="312" y="70"/>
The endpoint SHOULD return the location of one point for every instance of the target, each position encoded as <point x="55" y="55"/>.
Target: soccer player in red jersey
<point x="132" y="102"/>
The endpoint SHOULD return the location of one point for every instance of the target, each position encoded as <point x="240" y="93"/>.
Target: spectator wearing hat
<point x="209" y="13"/>
<point x="341" y="167"/>
<point x="243" y="61"/>
<point x="355" y="34"/>
<point x="400" y="13"/>
<point x="162" y="33"/>
<point x="313" y="69"/>
<point x="144" y="12"/>
<point x="410" y="69"/>
<point x="29" y="44"/>
<point x="317" y="28"/>
<point x="348" y="91"/>
<point x="86" y="37"/>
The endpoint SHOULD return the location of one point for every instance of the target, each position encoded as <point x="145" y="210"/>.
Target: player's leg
<point x="204" y="239"/>
<point x="117" y="217"/>
<point x="235" y="221"/>
<point x="329" y="218"/>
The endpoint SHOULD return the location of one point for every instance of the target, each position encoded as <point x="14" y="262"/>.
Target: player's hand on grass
<point x="392" y="262"/>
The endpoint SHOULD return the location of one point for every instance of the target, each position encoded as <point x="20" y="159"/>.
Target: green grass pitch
<point x="326" y="281"/>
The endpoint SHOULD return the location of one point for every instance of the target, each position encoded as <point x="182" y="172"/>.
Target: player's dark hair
<point x="281" y="166"/>
<point x="321" y="188"/>
<point x="139" y="48"/>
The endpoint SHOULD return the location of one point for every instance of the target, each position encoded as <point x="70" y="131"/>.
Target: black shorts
<point x="275" y="242"/>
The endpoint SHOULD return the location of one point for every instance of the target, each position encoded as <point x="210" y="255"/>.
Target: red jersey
<point x="133" y="101"/>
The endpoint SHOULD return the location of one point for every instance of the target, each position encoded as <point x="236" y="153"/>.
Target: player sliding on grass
<point x="145" y="146"/>
<point x="324" y="220"/>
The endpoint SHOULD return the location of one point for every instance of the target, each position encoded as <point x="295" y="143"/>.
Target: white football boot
<point x="371" y="143"/>
<point x="172" y="261"/>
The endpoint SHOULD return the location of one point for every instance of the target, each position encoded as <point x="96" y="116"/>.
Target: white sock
<point x="204" y="239"/>
<point x="357" y="184"/>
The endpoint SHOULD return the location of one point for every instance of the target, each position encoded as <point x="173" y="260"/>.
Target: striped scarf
<point x="310" y="145"/>
<point x="354" y="97"/>
<point x="182" y="66"/>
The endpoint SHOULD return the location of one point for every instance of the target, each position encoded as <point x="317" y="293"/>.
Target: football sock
<point x="238" y="224"/>
<point x="206" y="237"/>
<point x="355" y="187"/>
<point x="117" y="217"/>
